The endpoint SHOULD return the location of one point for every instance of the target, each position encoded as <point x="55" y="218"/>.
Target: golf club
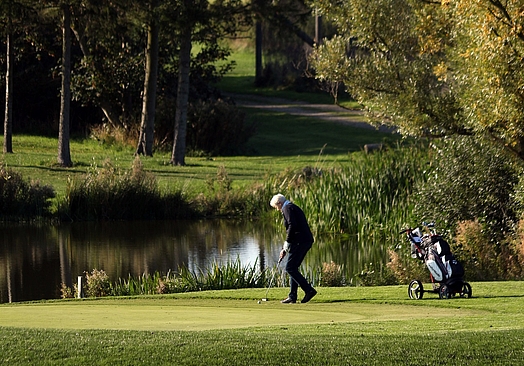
<point x="271" y="281"/>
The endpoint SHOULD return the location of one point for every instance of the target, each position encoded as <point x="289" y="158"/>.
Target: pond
<point x="36" y="259"/>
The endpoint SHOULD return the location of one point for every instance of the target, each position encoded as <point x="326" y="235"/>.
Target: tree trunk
<point x="64" y="153"/>
<point x="147" y="125"/>
<point x="179" y="144"/>
<point x="318" y="29"/>
<point x="8" y="121"/>
<point x="258" y="51"/>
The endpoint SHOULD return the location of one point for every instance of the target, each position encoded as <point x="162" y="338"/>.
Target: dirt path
<point x="326" y="112"/>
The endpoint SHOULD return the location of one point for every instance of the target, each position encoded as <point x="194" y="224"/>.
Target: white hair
<point x="276" y="199"/>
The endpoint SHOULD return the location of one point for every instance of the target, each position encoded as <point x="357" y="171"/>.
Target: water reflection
<point x="36" y="259"/>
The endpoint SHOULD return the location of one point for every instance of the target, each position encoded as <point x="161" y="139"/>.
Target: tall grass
<point x="369" y="195"/>
<point x="231" y="275"/>
<point x="22" y="199"/>
<point x="110" y="193"/>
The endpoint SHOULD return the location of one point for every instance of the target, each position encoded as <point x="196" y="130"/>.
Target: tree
<point x="279" y="17"/>
<point x="179" y="143"/>
<point x="147" y="125"/>
<point x="432" y="68"/>
<point x="99" y="30"/>
<point x="14" y="15"/>
<point x="204" y="22"/>
<point x="489" y="39"/>
<point x="8" y="120"/>
<point x="64" y="152"/>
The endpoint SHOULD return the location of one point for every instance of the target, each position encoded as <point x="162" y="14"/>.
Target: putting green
<point x="202" y="314"/>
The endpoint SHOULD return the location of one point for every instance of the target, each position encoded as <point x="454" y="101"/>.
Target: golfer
<point x="298" y="241"/>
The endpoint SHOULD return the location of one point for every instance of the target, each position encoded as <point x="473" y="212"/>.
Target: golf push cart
<point x="445" y="272"/>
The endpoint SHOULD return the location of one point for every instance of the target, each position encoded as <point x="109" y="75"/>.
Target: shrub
<point x="231" y="275"/>
<point x="405" y="269"/>
<point x="66" y="292"/>
<point x="108" y="193"/>
<point x="371" y="277"/>
<point x="485" y="259"/>
<point x="97" y="283"/>
<point x="217" y="128"/>
<point x="331" y="275"/>
<point x="470" y="179"/>
<point x="22" y="199"/>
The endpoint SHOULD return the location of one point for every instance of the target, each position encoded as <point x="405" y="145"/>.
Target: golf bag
<point x="438" y="258"/>
<point x="446" y="272"/>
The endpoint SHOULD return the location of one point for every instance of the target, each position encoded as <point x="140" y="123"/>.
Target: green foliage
<point x="231" y="275"/>
<point x="368" y="196"/>
<point x="97" y="283"/>
<point x="385" y="54"/>
<point x="147" y="284"/>
<point x="331" y="275"/>
<point x="21" y="199"/>
<point x="469" y="179"/>
<point x="108" y="193"/>
<point x="371" y="276"/>
<point x="486" y="67"/>
<point x="431" y="68"/>
<point x="482" y="258"/>
<point x="217" y="128"/>
<point x="403" y="267"/>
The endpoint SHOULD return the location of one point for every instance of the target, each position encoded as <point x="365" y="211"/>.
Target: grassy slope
<point x="361" y="326"/>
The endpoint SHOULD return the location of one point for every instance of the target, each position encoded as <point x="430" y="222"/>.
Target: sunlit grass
<point x="242" y="80"/>
<point x="357" y="326"/>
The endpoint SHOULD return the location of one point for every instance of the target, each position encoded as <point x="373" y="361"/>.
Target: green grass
<point x="242" y="80"/>
<point x="341" y="326"/>
<point x="282" y="142"/>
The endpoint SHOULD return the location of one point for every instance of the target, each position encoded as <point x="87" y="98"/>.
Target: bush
<point x="97" y="284"/>
<point x="217" y="128"/>
<point x="331" y="275"/>
<point x="20" y="199"/>
<point x="470" y="179"/>
<point x="404" y="268"/>
<point x="110" y="194"/>
<point x="482" y="258"/>
<point x="231" y="275"/>
<point x="371" y="277"/>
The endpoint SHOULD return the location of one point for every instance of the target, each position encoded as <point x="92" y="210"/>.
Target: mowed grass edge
<point x="351" y="325"/>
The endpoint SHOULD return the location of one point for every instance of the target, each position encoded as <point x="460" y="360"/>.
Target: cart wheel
<point x="415" y="290"/>
<point x="466" y="290"/>
<point x="444" y="292"/>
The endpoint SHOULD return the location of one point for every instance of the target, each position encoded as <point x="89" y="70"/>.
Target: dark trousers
<point x="295" y="257"/>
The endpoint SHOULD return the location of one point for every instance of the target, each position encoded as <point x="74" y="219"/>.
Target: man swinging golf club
<point x="298" y="241"/>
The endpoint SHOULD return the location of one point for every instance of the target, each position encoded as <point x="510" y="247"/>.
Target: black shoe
<point x="309" y="296"/>
<point x="288" y="301"/>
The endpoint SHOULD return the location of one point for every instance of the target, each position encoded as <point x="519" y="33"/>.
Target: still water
<point x="36" y="259"/>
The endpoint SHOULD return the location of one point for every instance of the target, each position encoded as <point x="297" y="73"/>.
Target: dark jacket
<point x="296" y="225"/>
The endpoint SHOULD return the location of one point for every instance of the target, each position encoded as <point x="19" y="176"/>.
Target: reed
<point x="371" y="194"/>
<point x="357" y="208"/>
<point x="231" y="275"/>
